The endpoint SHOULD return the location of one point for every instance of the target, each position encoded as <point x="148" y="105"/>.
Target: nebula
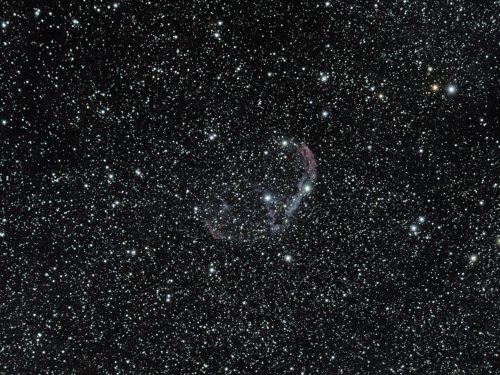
<point x="259" y="195"/>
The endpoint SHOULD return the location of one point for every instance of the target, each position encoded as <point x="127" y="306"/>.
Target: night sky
<point x="210" y="187"/>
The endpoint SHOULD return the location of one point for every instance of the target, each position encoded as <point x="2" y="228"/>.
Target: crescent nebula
<point x="259" y="192"/>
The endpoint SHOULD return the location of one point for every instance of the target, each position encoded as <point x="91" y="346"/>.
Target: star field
<point x="119" y="123"/>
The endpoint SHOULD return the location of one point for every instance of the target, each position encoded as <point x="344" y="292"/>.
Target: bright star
<point x="451" y="89"/>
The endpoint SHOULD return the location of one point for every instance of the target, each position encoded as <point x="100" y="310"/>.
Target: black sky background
<point x="116" y="118"/>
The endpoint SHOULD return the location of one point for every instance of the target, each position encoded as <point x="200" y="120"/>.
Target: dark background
<point x="107" y="110"/>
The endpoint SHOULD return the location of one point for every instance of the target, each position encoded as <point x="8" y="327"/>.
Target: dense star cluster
<point x="215" y="187"/>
